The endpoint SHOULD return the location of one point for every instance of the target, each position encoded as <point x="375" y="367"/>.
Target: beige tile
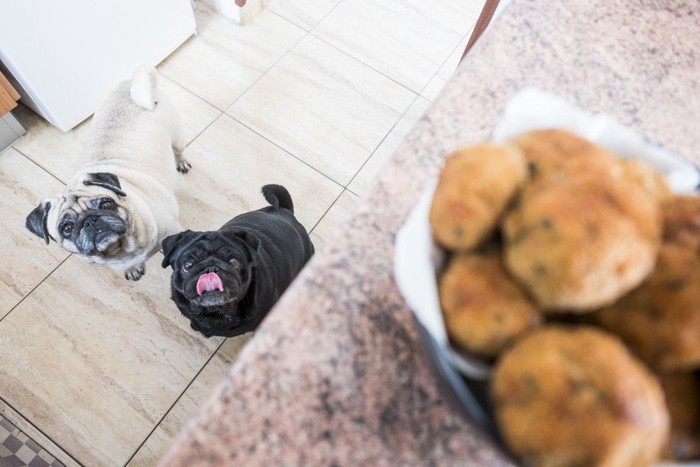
<point x="433" y="89"/>
<point x="189" y="403"/>
<point x="364" y="181"/>
<point x="470" y="7"/>
<point x="96" y="361"/>
<point x="406" y="40"/>
<point x="57" y="152"/>
<point x="26" y="260"/>
<point x="231" y="164"/>
<point x="196" y="113"/>
<point x="340" y="212"/>
<point x="304" y="13"/>
<point x="324" y="107"/>
<point x="224" y="58"/>
<point x="448" y="68"/>
<point x="40" y="438"/>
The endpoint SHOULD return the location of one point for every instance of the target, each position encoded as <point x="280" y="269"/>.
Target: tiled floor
<point x="314" y="95"/>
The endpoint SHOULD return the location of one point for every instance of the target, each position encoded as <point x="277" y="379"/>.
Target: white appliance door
<point x="66" y="55"/>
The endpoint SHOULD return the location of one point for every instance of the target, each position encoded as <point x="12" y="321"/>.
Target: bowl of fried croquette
<point x="563" y="318"/>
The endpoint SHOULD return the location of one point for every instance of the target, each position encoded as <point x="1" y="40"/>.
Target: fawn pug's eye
<point x="107" y="204"/>
<point x="67" y="229"/>
<point x="187" y="265"/>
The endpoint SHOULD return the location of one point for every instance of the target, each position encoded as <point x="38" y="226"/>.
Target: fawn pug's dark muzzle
<point x="95" y="233"/>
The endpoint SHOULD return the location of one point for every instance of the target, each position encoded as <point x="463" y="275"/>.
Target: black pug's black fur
<point x="225" y="281"/>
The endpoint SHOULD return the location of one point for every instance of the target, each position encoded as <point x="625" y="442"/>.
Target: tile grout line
<point x="466" y="35"/>
<point x="174" y="404"/>
<point x="221" y="112"/>
<point x="38" y="165"/>
<point x="327" y="210"/>
<point x="310" y="32"/>
<point x="34" y="288"/>
<point x="418" y="95"/>
<point x="201" y="132"/>
<point x="363" y="63"/>
<point x="27" y="420"/>
<point x="435" y="75"/>
<point x="382" y="142"/>
<point x="306" y="33"/>
<point x="284" y="150"/>
<point x="224" y="110"/>
<point x="187" y="89"/>
<point x="380" y="72"/>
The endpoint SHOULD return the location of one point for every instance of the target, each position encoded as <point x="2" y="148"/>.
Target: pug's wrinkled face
<point x="209" y="268"/>
<point x="91" y="220"/>
<point x="90" y="226"/>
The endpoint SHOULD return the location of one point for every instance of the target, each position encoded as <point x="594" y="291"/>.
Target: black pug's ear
<point x="173" y="244"/>
<point x="36" y="220"/>
<point x="252" y="242"/>
<point x="105" y="180"/>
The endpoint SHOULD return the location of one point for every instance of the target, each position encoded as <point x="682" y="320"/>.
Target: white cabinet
<point x="65" y="55"/>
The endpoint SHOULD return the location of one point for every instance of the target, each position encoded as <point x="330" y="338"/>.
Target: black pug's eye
<point x="187" y="265"/>
<point x="107" y="204"/>
<point x="67" y="229"/>
<point x="235" y="263"/>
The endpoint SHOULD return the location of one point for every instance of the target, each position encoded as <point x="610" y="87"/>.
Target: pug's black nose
<point x="90" y="222"/>
<point x="211" y="269"/>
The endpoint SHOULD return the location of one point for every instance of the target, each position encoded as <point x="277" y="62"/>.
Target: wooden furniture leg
<point x="481" y="24"/>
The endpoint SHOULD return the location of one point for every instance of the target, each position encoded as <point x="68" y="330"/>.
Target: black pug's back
<point x="226" y="281"/>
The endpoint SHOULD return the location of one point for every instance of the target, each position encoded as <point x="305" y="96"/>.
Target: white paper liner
<point x="533" y="109"/>
<point x="417" y="259"/>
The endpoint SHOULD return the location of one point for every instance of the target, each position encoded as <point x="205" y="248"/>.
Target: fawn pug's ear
<point x="36" y="220"/>
<point x="105" y="180"/>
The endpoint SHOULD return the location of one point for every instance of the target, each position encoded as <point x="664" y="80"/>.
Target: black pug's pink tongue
<point x="209" y="282"/>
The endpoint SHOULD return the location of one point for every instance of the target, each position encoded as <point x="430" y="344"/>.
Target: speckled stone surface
<point x="337" y="374"/>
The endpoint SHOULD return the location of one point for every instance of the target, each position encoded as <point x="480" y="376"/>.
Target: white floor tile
<point x="189" y="403"/>
<point x="340" y="212"/>
<point x="406" y="40"/>
<point x="324" y="107"/>
<point x="224" y="58"/>
<point x="364" y="181"/>
<point x="304" y="13"/>
<point x="230" y="164"/>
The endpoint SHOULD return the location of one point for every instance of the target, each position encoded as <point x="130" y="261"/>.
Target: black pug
<point x="225" y="281"/>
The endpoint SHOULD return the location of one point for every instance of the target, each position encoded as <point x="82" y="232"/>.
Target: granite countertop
<point x="337" y="373"/>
